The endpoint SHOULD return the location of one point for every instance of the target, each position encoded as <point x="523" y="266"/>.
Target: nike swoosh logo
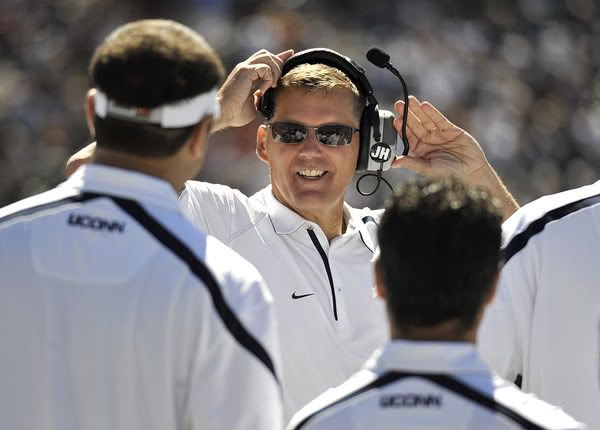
<point x="296" y="296"/>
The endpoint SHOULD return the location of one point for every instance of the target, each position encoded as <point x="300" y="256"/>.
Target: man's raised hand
<point x="237" y="95"/>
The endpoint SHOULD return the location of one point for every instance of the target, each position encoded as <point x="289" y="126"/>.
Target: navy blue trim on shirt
<point x="78" y="198"/>
<point x="450" y="383"/>
<point x="519" y="241"/>
<point x="385" y="379"/>
<point x="365" y="220"/>
<point x="321" y="251"/>
<point x="181" y="250"/>
<point x="198" y="268"/>
<point x="478" y="397"/>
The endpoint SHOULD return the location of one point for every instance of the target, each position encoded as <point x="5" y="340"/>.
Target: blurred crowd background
<point x="522" y="76"/>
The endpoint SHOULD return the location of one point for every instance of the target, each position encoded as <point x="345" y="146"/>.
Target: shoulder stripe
<point x="468" y="392"/>
<point x="519" y="242"/>
<point x="369" y="218"/>
<point x="385" y="379"/>
<point x="198" y="268"/>
<point x="446" y="381"/>
<point x="78" y="198"/>
<point x="365" y="220"/>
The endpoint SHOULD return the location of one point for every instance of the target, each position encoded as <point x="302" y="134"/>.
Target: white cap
<point x="173" y="115"/>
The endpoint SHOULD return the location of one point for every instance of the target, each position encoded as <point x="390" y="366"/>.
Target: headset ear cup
<point x="365" y="141"/>
<point x="266" y="104"/>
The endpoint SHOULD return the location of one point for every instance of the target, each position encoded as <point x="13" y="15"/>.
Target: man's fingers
<point x="283" y="56"/>
<point x="413" y="122"/>
<point x="415" y="164"/>
<point x="274" y="61"/>
<point x="261" y="75"/>
<point x="415" y="106"/>
<point x="274" y="64"/>
<point x="436" y="116"/>
<point x="413" y="140"/>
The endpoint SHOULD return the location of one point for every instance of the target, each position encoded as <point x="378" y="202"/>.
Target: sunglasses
<point x="330" y="134"/>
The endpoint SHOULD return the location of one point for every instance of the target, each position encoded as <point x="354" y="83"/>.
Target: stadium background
<point x="522" y="76"/>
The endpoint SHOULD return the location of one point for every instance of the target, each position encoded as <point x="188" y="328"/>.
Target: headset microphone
<point x="378" y="57"/>
<point x="381" y="59"/>
<point x="381" y="154"/>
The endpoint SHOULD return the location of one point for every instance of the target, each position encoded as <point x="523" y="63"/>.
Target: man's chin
<point x="313" y="201"/>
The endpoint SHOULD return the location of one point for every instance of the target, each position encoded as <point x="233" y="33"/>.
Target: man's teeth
<point x="311" y="173"/>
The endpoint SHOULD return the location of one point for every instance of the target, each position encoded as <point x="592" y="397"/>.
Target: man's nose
<point x="310" y="144"/>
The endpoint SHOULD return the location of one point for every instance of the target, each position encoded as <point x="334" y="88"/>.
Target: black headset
<point x="369" y="122"/>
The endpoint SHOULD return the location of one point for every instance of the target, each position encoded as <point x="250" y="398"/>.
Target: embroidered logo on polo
<point x="299" y="296"/>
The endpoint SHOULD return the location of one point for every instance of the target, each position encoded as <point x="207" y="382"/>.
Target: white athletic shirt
<point x="116" y="313"/>
<point x="329" y="320"/>
<point x="412" y="385"/>
<point x="544" y="323"/>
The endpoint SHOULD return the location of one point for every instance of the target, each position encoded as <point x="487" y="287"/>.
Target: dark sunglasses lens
<point x="288" y="132"/>
<point x="334" y="135"/>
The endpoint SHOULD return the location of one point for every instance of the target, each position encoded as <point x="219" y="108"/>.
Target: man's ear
<point x="379" y="288"/>
<point x="90" y="113"/>
<point x="261" y="143"/>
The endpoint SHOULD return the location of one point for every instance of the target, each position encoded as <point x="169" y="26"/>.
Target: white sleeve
<point x="211" y="207"/>
<point x="231" y="387"/>
<point x="503" y="336"/>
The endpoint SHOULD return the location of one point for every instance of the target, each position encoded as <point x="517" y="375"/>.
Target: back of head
<point x="146" y="64"/>
<point x="440" y="249"/>
<point x="319" y="77"/>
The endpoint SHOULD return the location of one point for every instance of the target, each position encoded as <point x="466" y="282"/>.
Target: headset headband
<point x="330" y="58"/>
<point x="334" y="59"/>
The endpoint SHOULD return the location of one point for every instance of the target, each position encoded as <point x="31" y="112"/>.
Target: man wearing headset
<point x="312" y="248"/>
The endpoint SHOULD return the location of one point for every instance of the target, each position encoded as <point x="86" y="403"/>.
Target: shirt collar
<point x="286" y="221"/>
<point x="124" y="183"/>
<point x="427" y="356"/>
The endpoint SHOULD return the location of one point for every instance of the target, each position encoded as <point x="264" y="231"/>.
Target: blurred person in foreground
<point x="312" y="248"/>
<point x="544" y="323"/>
<point x="116" y="313"/>
<point x="430" y="375"/>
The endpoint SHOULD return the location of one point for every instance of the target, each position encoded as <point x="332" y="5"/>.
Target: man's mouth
<point x="311" y="174"/>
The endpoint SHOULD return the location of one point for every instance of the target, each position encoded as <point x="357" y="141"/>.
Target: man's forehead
<point x="326" y="105"/>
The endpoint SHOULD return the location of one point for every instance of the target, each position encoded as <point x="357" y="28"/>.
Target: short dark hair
<point x="440" y="252"/>
<point x="146" y="64"/>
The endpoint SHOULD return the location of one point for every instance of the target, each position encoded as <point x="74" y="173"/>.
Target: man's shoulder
<point x="198" y="189"/>
<point x="528" y="408"/>
<point x="328" y="409"/>
<point x="37" y="203"/>
<point x="534" y="217"/>
<point x="205" y="194"/>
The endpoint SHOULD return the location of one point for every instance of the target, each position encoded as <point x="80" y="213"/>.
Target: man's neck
<point x="157" y="168"/>
<point x="332" y="226"/>
<point x="450" y="331"/>
<point x="331" y="220"/>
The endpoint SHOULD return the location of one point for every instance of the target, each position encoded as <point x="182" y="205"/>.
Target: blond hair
<point x="320" y="77"/>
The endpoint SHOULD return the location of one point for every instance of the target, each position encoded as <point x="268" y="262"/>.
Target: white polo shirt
<point x="428" y="385"/>
<point x="116" y="313"/>
<point x="329" y="319"/>
<point x="544" y="323"/>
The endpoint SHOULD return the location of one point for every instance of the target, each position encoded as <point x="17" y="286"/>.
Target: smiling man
<point x="310" y="177"/>
<point x="312" y="248"/>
